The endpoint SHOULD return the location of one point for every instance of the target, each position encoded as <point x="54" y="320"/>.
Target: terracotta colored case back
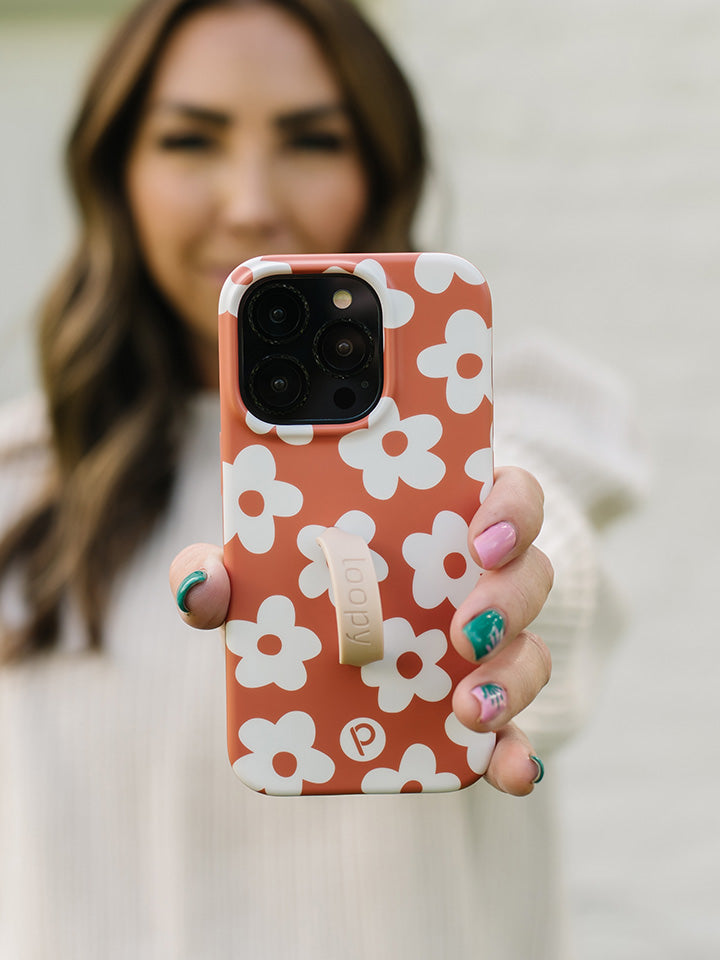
<point x="406" y="479"/>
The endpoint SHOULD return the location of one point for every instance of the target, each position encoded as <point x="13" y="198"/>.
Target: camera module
<point x="310" y="348"/>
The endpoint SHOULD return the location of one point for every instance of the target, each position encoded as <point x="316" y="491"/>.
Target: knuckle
<point x="541" y="654"/>
<point x="522" y="601"/>
<point x="531" y="487"/>
<point x="535" y="488"/>
<point x="547" y="571"/>
<point x="531" y="496"/>
<point x="528" y="584"/>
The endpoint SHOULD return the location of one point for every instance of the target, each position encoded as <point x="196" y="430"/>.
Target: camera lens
<point x="343" y="347"/>
<point x="279" y="383"/>
<point x="278" y="312"/>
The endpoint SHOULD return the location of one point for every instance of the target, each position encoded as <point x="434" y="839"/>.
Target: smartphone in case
<point x="356" y="445"/>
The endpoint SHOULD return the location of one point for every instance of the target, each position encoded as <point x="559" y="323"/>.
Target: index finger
<point x="509" y="519"/>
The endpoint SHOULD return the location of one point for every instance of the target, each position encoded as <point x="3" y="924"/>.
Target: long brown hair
<point x="115" y="364"/>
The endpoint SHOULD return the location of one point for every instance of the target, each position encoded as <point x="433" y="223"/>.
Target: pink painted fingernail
<point x="492" y="700"/>
<point x="494" y="544"/>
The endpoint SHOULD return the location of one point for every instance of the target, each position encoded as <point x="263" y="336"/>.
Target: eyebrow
<point x="293" y="118"/>
<point x="193" y="112"/>
<point x="296" y="118"/>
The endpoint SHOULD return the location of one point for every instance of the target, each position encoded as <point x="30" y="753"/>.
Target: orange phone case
<point x="406" y="479"/>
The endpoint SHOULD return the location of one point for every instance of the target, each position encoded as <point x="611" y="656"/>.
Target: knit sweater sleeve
<point x="24" y="461"/>
<point x="568" y="423"/>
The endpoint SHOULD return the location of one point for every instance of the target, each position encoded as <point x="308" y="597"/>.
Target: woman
<point x="211" y="132"/>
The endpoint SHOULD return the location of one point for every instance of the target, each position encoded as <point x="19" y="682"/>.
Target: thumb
<point x="200" y="585"/>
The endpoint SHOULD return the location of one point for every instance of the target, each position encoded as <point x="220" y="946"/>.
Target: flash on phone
<point x="342" y="299"/>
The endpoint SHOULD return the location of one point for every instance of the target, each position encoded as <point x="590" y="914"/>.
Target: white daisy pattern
<point x="273" y="648"/>
<point x="434" y="272"/>
<point x="418" y="769"/>
<point x="460" y="361"/>
<point x="233" y="291"/>
<point x="391" y="449"/>
<point x="442" y="563"/>
<point x="314" y="579"/>
<point x="252" y="498"/>
<point x="296" y="434"/>
<point x="398" y="306"/>
<point x="230" y="296"/>
<point x="479" y="746"/>
<point x="282" y="755"/>
<point x="479" y="466"/>
<point x="409" y="667"/>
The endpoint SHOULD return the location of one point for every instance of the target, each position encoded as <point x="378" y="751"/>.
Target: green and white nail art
<point x="492" y="700"/>
<point x="485" y="631"/>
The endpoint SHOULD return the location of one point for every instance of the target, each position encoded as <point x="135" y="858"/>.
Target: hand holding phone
<point x="516" y="581"/>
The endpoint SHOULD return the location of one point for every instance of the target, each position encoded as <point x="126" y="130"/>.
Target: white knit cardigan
<point x="125" y="834"/>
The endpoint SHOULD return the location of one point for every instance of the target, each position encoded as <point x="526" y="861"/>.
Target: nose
<point x="249" y="195"/>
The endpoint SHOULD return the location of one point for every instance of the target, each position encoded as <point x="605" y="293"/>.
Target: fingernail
<point x="197" y="576"/>
<point x="492" y="700"/>
<point x="485" y="631"/>
<point x="540" y="768"/>
<point x="494" y="544"/>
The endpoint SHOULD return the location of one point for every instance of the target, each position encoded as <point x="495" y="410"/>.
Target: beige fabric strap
<point x="357" y="596"/>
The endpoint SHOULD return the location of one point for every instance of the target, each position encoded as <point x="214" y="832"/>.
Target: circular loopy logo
<point x="362" y="739"/>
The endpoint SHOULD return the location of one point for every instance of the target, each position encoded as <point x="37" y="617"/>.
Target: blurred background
<point x="577" y="162"/>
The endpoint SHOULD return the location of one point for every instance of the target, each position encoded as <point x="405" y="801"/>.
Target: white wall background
<point x="582" y="142"/>
<point x="578" y="143"/>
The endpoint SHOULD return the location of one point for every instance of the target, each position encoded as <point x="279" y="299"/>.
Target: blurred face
<point x="244" y="148"/>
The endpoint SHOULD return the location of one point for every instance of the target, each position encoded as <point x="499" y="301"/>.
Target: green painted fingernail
<point x="485" y="631"/>
<point x="197" y="576"/>
<point x="541" y="768"/>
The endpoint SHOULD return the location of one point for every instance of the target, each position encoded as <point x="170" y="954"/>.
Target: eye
<point x="321" y="141"/>
<point x="190" y="142"/>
